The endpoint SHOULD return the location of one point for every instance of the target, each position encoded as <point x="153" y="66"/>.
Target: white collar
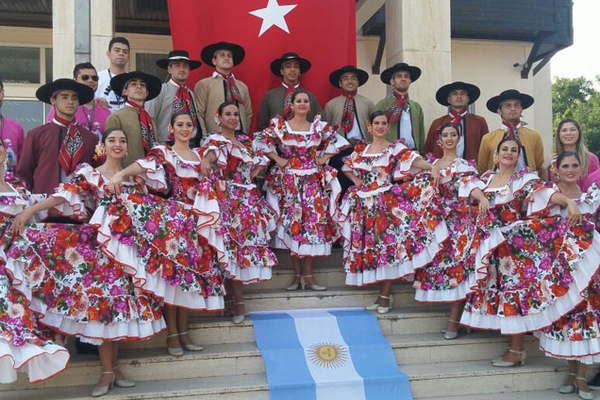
<point x="296" y="86"/>
<point x="216" y="74"/>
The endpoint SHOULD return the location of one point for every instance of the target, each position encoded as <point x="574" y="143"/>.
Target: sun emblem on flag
<point x="328" y="355"/>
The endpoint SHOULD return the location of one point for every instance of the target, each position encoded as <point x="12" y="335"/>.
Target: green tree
<point x="578" y="99"/>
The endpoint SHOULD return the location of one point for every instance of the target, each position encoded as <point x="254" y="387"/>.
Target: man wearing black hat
<point x="457" y="96"/>
<point x="510" y="105"/>
<point x="277" y="101"/>
<point x="405" y="115"/>
<point x="133" y="119"/>
<point x="52" y="151"/>
<point x="222" y="86"/>
<point x="349" y="112"/>
<point x="175" y="96"/>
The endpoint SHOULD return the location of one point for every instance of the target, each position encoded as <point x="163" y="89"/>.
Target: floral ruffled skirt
<point x="536" y="277"/>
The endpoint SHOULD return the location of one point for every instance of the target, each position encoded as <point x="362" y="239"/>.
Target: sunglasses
<point x="88" y="77"/>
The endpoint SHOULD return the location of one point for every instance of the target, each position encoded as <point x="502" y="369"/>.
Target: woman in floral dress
<point x="388" y="229"/>
<point x="473" y="236"/>
<point x="22" y="343"/>
<point x="576" y="336"/>
<point x="76" y="288"/>
<point x="537" y="275"/>
<point x="301" y="187"/>
<point x="183" y="252"/>
<point x="246" y="220"/>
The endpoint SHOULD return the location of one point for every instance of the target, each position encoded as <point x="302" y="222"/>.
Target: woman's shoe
<point x="297" y="284"/>
<point x="101" y="390"/>
<point x="238" y="319"/>
<point x="123" y="382"/>
<point x="174" y="351"/>
<point x="499" y="362"/>
<point x="584" y="394"/>
<point x="310" y="286"/>
<point x="567" y="388"/>
<point x="375" y="305"/>
<point x="191" y="346"/>
<point x="383" y="309"/>
<point x="450" y="335"/>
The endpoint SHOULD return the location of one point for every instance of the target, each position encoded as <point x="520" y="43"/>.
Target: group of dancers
<point x="141" y="246"/>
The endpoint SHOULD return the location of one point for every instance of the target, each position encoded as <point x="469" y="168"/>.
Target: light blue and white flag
<point x="321" y="354"/>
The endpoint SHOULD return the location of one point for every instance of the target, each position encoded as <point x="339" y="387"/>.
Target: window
<point x="29" y="113"/>
<point x="25" y="65"/>
<point x="146" y="62"/>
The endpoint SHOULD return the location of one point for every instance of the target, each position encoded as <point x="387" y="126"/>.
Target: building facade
<point x="494" y="44"/>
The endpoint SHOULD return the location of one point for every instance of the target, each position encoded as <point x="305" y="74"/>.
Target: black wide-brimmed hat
<point x="84" y="93"/>
<point x="386" y="75"/>
<point x="493" y="104"/>
<point x="178" y="55"/>
<point x="335" y="76"/>
<point x="442" y="94"/>
<point x="117" y="83"/>
<point x="237" y="51"/>
<point x="290" y="56"/>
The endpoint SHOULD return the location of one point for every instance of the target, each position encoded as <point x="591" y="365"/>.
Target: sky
<point x="583" y="57"/>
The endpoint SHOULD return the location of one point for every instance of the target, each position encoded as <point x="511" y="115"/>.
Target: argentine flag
<point x="322" y="354"/>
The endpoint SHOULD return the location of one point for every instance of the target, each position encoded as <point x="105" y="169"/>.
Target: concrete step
<point x="333" y="260"/>
<point x="244" y="358"/>
<point x="529" y="395"/>
<point x="332" y="275"/>
<point x="277" y="299"/>
<point x="220" y="330"/>
<point x="475" y="379"/>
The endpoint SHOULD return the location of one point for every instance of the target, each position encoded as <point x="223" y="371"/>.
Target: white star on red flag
<point x="273" y="15"/>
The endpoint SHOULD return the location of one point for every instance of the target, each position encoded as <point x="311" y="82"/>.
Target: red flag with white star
<point x="322" y="31"/>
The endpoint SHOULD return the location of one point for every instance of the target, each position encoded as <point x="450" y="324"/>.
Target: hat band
<point x="178" y="58"/>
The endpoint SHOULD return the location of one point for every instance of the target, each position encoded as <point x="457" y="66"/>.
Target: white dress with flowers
<point x="303" y="193"/>
<point x="71" y="282"/>
<point x="22" y="344"/>
<point x="246" y="220"/>
<point x="389" y="229"/>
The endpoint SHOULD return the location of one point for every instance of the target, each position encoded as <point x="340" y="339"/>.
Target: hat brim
<point x="362" y="75"/>
<point x="276" y="65"/>
<point x="442" y="94"/>
<point x="494" y="103"/>
<point x="164" y="63"/>
<point x="117" y="83"/>
<point x="386" y="75"/>
<point x="85" y="94"/>
<point x="237" y="51"/>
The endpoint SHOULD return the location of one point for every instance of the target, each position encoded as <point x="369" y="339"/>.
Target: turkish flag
<point x="323" y="31"/>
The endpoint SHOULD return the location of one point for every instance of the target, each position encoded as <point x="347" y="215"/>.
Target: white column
<point x="63" y="38"/>
<point x="418" y="33"/>
<point x="102" y="30"/>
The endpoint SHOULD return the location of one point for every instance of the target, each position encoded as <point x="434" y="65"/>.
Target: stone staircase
<point x="230" y="368"/>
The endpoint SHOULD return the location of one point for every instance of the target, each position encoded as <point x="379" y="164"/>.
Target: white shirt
<point x="354" y="133"/>
<point x="104" y="91"/>
<point x="405" y="128"/>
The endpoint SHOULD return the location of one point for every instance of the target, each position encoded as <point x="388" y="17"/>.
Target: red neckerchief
<point x="287" y="99"/>
<point x="232" y="93"/>
<point x="183" y="102"/>
<point x="71" y="148"/>
<point x="146" y="125"/>
<point x="396" y="109"/>
<point x="456" y="117"/>
<point x="512" y="128"/>
<point x="348" y="113"/>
